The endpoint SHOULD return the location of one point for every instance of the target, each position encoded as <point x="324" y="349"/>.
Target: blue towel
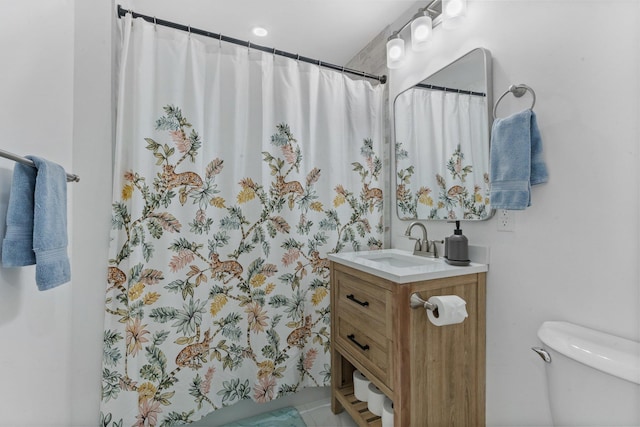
<point x="39" y="205"/>
<point x="17" y="246"/>
<point x="516" y="160"/>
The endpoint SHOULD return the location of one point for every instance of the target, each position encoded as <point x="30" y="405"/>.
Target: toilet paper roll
<point x="375" y="400"/>
<point x="451" y="310"/>
<point x="360" y="386"/>
<point x="387" y="413"/>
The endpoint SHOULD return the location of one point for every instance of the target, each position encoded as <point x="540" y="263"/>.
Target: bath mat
<point x="285" y="417"/>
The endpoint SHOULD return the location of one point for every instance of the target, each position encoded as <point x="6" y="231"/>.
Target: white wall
<point x="36" y="112"/>
<point x="574" y="253"/>
<point x="92" y="148"/>
<point x="55" y="87"/>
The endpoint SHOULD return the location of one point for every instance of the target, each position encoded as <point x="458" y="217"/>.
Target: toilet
<point x="593" y="378"/>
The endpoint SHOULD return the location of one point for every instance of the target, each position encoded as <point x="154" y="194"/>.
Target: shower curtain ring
<point x="249" y="46"/>
<point x="155" y="24"/>
<point x="297" y="57"/>
<point x="220" y="40"/>
<point x="189" y="31"/>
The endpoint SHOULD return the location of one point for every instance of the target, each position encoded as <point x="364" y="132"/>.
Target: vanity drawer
<point x="367" y="346"/>
<point x="364" y="303"/>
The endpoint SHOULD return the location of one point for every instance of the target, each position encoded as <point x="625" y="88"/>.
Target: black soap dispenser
<point x="457" y="248"/>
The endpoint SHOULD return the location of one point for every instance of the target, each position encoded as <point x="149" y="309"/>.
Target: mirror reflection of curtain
<point x="435" y="148"/>
<point x="236" y="172"/>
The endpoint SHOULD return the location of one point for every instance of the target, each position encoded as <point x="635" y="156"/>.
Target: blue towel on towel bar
<point x="516" y="160"/>
<point x="17" y="246"/>
<point x="39" y="205"/>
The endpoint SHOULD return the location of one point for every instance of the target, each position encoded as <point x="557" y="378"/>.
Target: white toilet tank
<point x="593" y="377"/>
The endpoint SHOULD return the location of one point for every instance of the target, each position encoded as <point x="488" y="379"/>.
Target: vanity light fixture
<point x="421" y="29"/>
<point x="422" y="24"/>
<point x="395" y="51"/>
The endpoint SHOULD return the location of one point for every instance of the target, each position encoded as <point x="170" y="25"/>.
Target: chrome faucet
<point x="423" y="247"/>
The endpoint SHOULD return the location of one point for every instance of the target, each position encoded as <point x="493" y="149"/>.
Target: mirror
<point x="442" y="128"/>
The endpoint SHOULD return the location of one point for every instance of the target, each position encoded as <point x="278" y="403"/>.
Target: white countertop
<point x="403" y="267"/>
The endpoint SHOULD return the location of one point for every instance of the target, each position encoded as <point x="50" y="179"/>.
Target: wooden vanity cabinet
<point x="435" y="375"/>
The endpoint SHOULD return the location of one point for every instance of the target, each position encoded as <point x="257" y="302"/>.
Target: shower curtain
<point x="236" y="173"/>
<point x="448" y="133"/>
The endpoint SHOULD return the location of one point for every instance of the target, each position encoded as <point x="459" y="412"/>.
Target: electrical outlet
<point x="506" y="220"/>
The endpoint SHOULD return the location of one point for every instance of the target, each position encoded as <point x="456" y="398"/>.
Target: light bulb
<point x="395" y="52"/>
<point x="421" y="33"/>
<point x="453" y="11"/>
<point x="454" y="8"/>
<point x="421" y="29"/>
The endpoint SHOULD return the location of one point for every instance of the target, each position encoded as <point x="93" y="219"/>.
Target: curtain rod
<point x="25" y="161"/>
<point x="122" y="12"/>
<point x="448" y="89"/>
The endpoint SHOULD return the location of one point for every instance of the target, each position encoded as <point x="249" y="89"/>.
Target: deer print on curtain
<point x="247" y="264"/>
<point x="456" y="198"/>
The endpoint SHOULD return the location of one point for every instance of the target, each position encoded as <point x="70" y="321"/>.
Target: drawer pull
<point x="354" y="299"/>
<point x="353" y="338"/>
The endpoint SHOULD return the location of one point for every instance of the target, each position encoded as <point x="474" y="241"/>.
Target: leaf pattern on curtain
<point x="249" y="266"/>
<point x="454" y="192"/>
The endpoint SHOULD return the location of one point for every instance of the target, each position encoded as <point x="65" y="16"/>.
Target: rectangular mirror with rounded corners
<point x="442" y="130"/>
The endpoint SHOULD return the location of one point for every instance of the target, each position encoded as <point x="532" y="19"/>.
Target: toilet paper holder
<point x="416" y="302"/>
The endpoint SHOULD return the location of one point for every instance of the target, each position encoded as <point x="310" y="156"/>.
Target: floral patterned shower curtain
<point x="448" y="133"/>
<point x="236" y="173"/>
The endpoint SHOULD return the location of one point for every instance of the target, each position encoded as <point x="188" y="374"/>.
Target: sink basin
<point x="392" y="259"/>
<point x="403" y="267"/>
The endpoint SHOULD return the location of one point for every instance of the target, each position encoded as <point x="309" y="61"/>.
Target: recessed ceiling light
<point x="259" y="31"/>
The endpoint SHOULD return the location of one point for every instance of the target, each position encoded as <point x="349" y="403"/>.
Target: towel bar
<point x="25" y="161"/>
<point x="517" y="91"/>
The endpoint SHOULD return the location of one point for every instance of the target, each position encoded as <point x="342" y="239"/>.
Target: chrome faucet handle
<point x="435" y="248"/>
<point x="418" y="245"/>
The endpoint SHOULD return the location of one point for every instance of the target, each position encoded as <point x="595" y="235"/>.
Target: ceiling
<point x="332" y="31"/>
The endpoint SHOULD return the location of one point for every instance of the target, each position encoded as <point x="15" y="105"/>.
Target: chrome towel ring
<point x="517" y="91"/>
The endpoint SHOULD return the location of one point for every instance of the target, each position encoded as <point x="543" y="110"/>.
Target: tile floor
<point x="318" y="414"/>
<point x="313" y="404"/>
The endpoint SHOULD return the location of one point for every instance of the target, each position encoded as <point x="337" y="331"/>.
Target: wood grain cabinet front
<point x="435" y="375"/>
